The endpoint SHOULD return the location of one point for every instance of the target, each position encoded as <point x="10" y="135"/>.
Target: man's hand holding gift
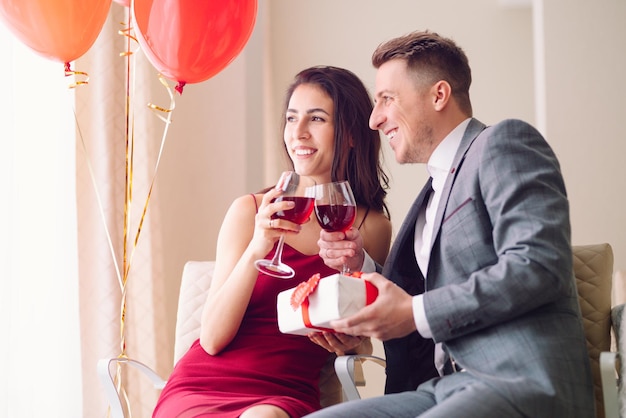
<point x="312" y="305"/>
<point x="389" y="316"/>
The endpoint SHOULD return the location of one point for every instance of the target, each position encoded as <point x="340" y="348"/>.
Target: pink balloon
<point x="189" y="41"/>
<point x="62" y="30"/>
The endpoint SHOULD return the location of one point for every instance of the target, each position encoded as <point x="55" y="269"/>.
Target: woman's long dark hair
<point x="357" y="147"/>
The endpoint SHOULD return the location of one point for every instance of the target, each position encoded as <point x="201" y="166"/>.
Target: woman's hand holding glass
<point x="300" y="191"/>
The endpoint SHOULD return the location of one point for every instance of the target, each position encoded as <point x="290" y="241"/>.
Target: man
<point x="481" y="267"/>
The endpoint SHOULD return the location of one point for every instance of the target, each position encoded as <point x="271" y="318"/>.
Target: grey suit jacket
<point x="500" y="291"/>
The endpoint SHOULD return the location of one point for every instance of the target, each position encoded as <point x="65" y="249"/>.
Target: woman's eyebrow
<point x="309" y="111"/>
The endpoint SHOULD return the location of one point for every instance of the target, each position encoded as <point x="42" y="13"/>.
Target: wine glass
<point x="301" y="191"/>
<point x="335" y="208"/>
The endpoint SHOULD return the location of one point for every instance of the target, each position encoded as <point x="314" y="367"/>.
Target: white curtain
<point x="40" y="370"/>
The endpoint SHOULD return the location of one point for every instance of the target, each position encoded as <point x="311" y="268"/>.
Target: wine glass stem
<point x="345" y="270"/>
<point x="279" y="251"/>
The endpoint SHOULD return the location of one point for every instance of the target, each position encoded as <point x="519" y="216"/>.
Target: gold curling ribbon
<point x="127" y="33"/>
<point x="166" y="110"/>
<point x="69" y="72"/>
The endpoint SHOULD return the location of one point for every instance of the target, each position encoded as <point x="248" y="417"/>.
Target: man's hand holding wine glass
<point x="342" y="248"/>
<point x="335" y="210"/>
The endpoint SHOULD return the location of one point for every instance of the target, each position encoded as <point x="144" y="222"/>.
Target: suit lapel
<point x="474" y="128"/>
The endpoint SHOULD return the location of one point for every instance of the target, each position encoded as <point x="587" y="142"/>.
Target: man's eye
<point x="290" y="119"/>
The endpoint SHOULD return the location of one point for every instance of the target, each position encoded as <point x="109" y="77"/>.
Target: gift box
<point x="311" y="305"/>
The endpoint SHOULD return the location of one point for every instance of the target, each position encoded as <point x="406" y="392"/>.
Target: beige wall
<point x="224" y="140"/>
<point x="585" y="114"/>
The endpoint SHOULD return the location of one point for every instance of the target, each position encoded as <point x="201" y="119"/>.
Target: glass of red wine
<point x="335" y="208"/>
<point x="301" y="191"/>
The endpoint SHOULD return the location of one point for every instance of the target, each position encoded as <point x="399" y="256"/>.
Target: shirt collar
<point x="440" y="162"/>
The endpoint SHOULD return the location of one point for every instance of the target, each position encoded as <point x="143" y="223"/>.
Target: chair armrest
<point x="345" y="369"/>
<point x="608" y="366"/>
<point x="108" y="381"/>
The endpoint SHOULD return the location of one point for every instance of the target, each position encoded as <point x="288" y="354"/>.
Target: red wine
<point x="335" y="217"/>
<point x="300" y="213"/>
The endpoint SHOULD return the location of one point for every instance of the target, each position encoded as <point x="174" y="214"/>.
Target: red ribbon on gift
<point x="300" y="297"/>
<point x="307" y="320"/>
<point x="371" y="291"/>
<point x="303" y="290"/>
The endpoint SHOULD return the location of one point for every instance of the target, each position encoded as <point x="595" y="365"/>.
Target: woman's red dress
<point x="260" y="366"/>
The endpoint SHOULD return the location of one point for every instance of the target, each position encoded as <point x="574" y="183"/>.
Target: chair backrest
<point x="593" y="268"/>
<point x="619" y="287"/>
<point x="194" y="286"/>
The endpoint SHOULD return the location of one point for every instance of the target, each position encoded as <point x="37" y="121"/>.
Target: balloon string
<point x="69" y="72"/>
<point x="129" y="136"/>
<point x="129" y="153"/>
<point x="118" y="377"/>
<point x="98" y="198"/>
<point x="168" y="121"/>
<point x="128" y="182"/>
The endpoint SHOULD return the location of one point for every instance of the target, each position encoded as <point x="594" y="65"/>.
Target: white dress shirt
<point x="439" y="166"/>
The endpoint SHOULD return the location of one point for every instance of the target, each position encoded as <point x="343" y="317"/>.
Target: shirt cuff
<point x="419" y="316"/>
<point x="369" y="266"/>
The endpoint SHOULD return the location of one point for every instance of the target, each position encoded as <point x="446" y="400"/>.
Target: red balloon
<point x="189" y="41"/>
<point x="62" y="30"/>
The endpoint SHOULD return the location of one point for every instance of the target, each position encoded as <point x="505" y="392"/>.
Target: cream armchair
<point x="593" y="268"/>
<point x="612" y="366"/>
<point x="195" y="283"/>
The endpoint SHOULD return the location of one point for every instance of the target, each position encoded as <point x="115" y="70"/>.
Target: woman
<point x="242" y="366"/>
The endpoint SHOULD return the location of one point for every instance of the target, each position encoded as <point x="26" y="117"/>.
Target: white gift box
<point x="335" y="297"/>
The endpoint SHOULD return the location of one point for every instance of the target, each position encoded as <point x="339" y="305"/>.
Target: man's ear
<point x="442" y="93"/>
